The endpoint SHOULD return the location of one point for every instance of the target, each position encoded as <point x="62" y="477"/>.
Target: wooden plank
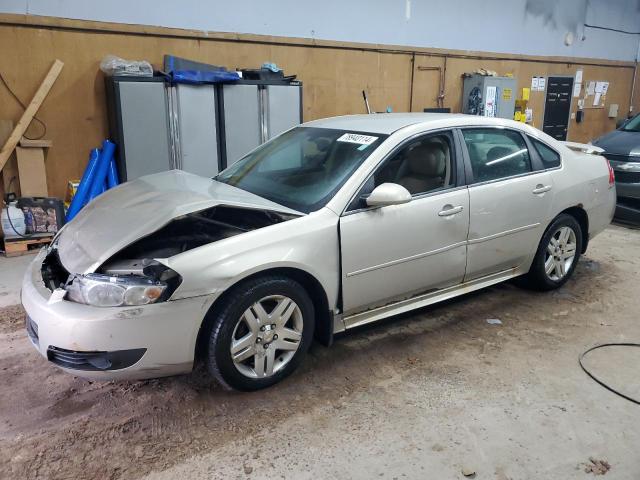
<point x="32" y="238"/>
<point x="41" y="143"/>
<point x="18" y="247"/>
<point x="31" y="169"/>
<point x="11" y="168"/>
<point x="31" y="110"/>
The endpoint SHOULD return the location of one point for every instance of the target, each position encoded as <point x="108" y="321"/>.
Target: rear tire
<point x="557" y="255"/>
<point x="260" y="333"/>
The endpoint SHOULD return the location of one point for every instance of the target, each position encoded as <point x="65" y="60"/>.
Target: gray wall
<point x="530" y="27"/>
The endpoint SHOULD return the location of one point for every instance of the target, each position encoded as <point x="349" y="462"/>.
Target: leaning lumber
<point x="29" y="113"/>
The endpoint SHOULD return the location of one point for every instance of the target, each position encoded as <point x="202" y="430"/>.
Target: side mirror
<point x="622" y="122"/>
<point x="388" y="194"/>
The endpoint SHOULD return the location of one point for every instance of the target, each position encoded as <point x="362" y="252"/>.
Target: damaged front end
<point x="196" y="229"/>
<point x="146" y="281"/>
<point x="135" y="275"/>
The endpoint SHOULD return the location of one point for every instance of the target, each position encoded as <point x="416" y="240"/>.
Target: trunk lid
<point x="135" y="209"/>
<point x="583" y="148"/>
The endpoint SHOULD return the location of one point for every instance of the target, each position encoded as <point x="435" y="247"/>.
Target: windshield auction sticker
<point x="357" y="138"/>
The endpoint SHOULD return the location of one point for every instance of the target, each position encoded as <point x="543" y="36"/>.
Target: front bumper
<point x="627" y="212"/>
<point x="627" y="175"/>
<point x="103" y="343"/>
<point x="628" y="205"/>
<point x="628" y="190"/>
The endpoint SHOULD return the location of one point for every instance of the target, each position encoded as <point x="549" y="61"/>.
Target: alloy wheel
<point x="561" y="253"/>
<point x="266" y="336"/>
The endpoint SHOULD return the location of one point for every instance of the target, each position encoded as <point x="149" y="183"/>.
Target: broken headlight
<point x="102" y="290"/>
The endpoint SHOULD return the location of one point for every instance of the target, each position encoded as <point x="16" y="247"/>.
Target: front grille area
<point x="54" y="275"/>
<point x="627" y="177"/>
<point x="94" y="361"/>
<point x="32" y="330"/>
<point x="633" y="203"/>
<point x="614" y="157"/>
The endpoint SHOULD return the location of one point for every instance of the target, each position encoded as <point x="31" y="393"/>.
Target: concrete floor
<point x="419" y="397"/>
<point x="11" y="271"/>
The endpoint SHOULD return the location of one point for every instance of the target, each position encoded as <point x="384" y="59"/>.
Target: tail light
<point x="612" y="176"/>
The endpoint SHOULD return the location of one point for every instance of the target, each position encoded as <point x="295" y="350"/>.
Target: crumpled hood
<point x="135" y="209"/>
<point x="620" y="142"/>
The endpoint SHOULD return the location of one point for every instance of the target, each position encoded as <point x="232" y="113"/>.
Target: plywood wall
<point x="334" y="77"/>
<point x="596" y="121"/>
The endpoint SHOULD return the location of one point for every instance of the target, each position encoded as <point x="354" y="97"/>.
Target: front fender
<point x="309" y="243"/>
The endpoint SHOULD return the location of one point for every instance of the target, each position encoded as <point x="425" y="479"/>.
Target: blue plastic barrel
<point x="102" y="169"/>
<point x="79" y="199"/>
<point x="112" y="175"/>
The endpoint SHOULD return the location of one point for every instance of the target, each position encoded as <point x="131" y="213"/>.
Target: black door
<point x="557" y="107"/>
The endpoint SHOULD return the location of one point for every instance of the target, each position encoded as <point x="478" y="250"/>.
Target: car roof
<point x="387" y="123"/>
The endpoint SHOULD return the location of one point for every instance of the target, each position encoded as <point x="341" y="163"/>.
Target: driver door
<point x="398" y="251"/>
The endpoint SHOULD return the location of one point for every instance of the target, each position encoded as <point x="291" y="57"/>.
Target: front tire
<point x="557" y="255"/>
<point x="260" y="333"/>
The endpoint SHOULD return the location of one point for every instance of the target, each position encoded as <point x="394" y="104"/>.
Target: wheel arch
<point x="581" y="216"/>
<point x="323" y="331"/>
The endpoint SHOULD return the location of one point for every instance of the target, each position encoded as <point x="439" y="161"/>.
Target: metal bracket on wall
<point x="174" y="127"/>
<point x="263" y="109"/>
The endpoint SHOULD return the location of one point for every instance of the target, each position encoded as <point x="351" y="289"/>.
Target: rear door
<point x="509" y="200"/>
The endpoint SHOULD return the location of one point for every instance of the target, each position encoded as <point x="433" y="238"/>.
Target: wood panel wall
<point x="334" y="75"/>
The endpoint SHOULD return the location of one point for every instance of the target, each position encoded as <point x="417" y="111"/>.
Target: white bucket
<point x="13" y="221"/>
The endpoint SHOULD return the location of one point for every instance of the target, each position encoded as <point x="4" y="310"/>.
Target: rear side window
<point x="496" y="153"/>
<point x="550" y="158"/>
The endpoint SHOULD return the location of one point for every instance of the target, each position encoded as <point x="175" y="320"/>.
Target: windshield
<point x="632" y="125"/>
<point x="304" y="167"/>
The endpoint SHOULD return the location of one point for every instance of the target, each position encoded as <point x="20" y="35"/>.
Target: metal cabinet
<point x="253" y="113"/>
<point x="196" y="114"/>
<point x="240" y="111"/>
<point x="489" y="96"/>
<point x="197" y="128"/>
<point x="139" y="124"/>
<point x="284" y="108"/>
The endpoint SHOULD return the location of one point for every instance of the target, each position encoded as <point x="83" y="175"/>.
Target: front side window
<point x="550" y="158"/>
<point x="421" y="166"/>
<point x="303" y="168"/>
<point x="496" y="153"/>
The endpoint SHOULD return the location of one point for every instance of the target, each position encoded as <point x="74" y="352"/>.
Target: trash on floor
<point x="468" y="471"/>
<point x="597" y="467"/>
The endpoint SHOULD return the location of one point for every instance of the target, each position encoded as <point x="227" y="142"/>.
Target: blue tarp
<point x="199" y="77"/>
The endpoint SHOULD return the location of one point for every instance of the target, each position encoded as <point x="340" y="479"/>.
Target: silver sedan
<point x="332" y="225"/>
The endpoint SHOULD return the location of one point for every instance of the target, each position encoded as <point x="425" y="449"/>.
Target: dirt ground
<point x="423" y="396"/>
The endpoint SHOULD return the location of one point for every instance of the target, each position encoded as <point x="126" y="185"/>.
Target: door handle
<point x="541" y="189"/>
<point x="448" y="210"/>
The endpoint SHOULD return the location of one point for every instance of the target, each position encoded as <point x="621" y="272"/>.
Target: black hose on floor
<point x="597" y="380"/>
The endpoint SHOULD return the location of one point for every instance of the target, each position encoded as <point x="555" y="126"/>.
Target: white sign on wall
<point x="490" y="102"/>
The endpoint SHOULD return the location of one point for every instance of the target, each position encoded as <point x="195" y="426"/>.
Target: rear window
<point x="550" y="158"/>
<point x="496" y="153"/>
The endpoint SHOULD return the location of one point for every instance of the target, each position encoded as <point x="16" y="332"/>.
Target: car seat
<point x="424" y="168"/>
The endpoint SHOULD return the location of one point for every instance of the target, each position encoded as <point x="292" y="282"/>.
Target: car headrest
<point x="427" y="159"/>
<point x="497" y="153"/>
<point x="322" y="144"/>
